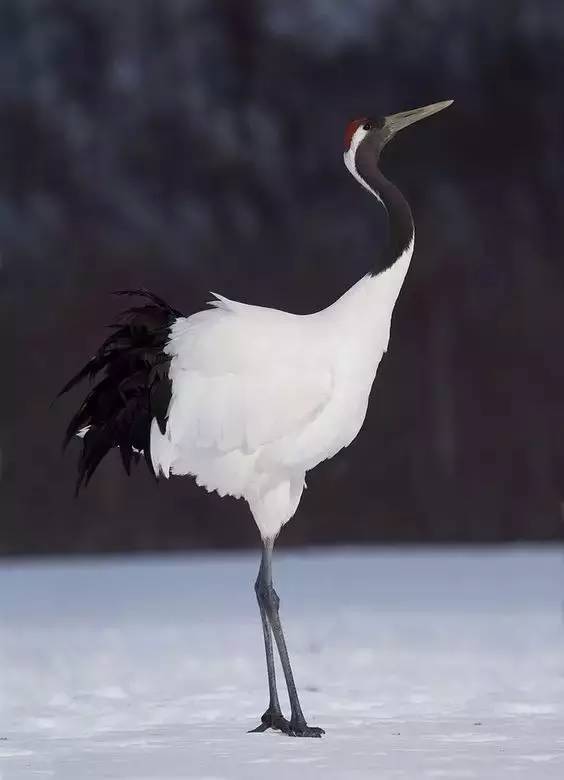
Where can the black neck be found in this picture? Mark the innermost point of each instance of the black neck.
(401, 228)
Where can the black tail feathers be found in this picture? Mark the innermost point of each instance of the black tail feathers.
(133, 387)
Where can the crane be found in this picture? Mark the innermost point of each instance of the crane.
(247, 399)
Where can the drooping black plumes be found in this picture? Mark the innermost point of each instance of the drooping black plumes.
(133, 387)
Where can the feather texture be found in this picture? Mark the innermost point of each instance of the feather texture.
(261, 396)
(133, 387)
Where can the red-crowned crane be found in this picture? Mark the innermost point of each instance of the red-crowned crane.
(247, 399)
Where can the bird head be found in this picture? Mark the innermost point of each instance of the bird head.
(376, 132)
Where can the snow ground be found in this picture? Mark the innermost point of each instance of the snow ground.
(434, 664)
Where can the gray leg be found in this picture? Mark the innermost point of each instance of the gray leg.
(269, 599)
(273, 717)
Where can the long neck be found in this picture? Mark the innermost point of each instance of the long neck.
(401, 227)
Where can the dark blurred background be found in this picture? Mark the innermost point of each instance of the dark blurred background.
(188, 146)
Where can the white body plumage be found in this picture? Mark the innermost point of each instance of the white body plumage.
(260, 396)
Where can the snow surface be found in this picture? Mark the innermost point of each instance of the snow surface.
(436, 664)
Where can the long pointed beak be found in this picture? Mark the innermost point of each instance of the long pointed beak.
(396, 122)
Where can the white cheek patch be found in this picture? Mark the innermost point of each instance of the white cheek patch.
(349, 158)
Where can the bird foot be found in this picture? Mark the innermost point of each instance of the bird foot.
(272, 719)
(275, 720)
(303, 730)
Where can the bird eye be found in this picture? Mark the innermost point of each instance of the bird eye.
(367, 126)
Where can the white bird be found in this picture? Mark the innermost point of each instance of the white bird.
(248, 399)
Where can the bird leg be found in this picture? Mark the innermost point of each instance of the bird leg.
(269, 601)
(273, 717)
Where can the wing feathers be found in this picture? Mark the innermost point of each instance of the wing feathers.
(244, 381)
(133, 387)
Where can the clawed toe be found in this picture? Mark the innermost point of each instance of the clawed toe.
(303, 730)
(272, 720)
